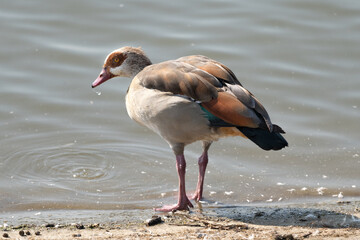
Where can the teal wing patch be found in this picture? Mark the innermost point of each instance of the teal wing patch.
(214, 121)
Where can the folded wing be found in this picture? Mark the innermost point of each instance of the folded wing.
(214, 85)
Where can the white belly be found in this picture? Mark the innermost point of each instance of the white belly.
(175, 118)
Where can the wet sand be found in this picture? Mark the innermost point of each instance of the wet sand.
(336, 220)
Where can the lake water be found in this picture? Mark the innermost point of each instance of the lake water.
(65, 146)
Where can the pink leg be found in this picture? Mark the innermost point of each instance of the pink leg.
(183, 201)
(203, 161)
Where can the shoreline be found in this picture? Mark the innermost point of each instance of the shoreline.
(314, 221)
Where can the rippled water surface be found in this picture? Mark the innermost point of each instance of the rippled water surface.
(66, 146)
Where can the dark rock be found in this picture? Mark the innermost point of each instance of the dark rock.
(284, 237)
(21, 233)
(50, 225)
(76, 235)
(153, 221)
(37, 233)
(79, 226)
(5, 235)
(28, 233)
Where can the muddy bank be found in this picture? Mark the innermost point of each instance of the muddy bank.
(316, 221)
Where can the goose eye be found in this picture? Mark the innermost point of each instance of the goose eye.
(116, 60)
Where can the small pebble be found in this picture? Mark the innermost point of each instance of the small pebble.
(77, 235)
(50, 225)
(153, 221)
(28, 233)
(201, 235)
(285, 237)
(37, 233)
(79, 226)
(5, 235)
(94, 225)
(21, 233)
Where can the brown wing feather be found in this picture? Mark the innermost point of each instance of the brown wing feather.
(250, 101)
(233, 85)
(231, 110)
(180, 78)
(211, 66)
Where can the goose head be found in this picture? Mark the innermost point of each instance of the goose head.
(122, 62)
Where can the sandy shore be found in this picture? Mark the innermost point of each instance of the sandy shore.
(339, 220)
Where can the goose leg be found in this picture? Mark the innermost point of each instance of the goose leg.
(183, 201)
(203, 161)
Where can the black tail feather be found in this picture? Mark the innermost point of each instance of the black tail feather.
(264, 138)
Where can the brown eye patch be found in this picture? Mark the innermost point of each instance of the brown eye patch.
(115, 60)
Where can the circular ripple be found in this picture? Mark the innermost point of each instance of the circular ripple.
(84, 165)
(85, 173)
(59, 165)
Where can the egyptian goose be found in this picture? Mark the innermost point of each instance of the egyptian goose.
(193, 98)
